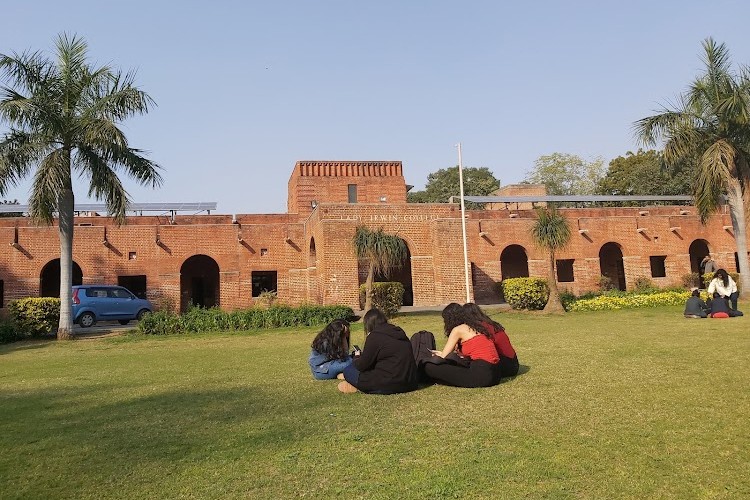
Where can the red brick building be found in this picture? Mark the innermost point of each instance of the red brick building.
(307, 257)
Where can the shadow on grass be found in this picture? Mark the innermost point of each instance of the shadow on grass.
(105, 430)
(25, 345)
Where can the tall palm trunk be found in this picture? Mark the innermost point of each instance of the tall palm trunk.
(368, 290)
(554, 304)
(739, 224)
(65, 226)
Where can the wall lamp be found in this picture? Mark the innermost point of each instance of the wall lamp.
(314, 204)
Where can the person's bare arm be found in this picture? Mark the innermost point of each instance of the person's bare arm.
(451, 343)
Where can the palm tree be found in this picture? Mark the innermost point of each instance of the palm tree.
(380, 251)
(551, 232)
(712, 123)
(64, 118)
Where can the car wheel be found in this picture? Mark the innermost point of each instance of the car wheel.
(124, 321)
(141, 314)
(87, 319)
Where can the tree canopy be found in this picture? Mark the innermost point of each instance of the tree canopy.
(646, 173)
(441, 185)
(566, 174)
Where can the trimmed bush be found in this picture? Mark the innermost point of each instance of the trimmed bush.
(211, 320)
(35, 316)
(525, 293)
(7, 331)
(387, 296)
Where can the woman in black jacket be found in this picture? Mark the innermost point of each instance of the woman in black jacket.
(386, 365)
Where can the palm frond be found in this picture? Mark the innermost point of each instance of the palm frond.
(716, 168)
(19, 150)
(52, 178)
(105, 184)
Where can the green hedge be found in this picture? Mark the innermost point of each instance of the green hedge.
(387, 296)
(525, 293)
(7, 331)
(629, 301)
(211, 320)
(35, 316)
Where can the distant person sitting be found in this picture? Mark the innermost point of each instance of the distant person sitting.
(720, 307)
(724, 285)
(695, 307)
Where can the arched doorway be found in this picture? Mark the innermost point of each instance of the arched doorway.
(49, 278)
(199, 282)
(514, 263)
(698, 250)
(611, 265)
(401, 273)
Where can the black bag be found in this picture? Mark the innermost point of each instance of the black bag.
(422, 344)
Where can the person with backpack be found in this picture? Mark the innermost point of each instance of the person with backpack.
(386, 364)
(469, 358)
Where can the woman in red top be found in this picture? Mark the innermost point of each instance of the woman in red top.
(477, 318)
(477, 358)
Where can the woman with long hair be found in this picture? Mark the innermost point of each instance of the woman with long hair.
(478, 319)
(471, 359)
(724, 285)
(330, 350)
(386, 364)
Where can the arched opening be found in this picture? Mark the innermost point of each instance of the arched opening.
(401, 273)
(313, 258)
(199, 282)
(611, 265)
(698, 249)
(49, 279)
(514, 263)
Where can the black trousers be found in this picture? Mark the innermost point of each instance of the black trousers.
(478, 374)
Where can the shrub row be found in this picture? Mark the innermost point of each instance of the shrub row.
(628, 301)
(30, 317)
(207, 320)
(387, 296)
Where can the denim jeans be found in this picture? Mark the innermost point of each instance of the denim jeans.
(334, 368)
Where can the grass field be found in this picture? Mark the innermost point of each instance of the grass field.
(624, 404)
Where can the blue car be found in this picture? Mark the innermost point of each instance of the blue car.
(92, 303)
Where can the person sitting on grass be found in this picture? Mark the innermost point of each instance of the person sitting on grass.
(695, 307)
(720, 307)
(476, 318)
(386, 364)
(475, 348)
(330, 350)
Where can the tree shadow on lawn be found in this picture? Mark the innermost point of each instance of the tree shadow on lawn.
(73, 427)
(24, 345)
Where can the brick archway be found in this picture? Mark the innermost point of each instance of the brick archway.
(49, 278)
(611, 264)
(698, 250)
(514, 263)
(402, 274)
(199, 282)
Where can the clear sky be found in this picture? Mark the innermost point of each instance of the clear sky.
(247, 88)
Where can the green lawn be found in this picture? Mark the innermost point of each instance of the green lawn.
(625, 404)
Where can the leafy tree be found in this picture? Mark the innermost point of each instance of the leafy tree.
(551, 232)
(646, 173)
(380, 251)
(444, 183)
(10, 214)
(563, 173)
(64, 118)
(711, 121)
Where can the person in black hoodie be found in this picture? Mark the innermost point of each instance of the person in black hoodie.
(386, 365)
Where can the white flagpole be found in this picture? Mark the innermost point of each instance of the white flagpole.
(463, 221)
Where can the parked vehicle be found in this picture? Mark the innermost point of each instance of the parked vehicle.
(92, 303)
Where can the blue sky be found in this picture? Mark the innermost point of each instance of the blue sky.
(246, 89)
